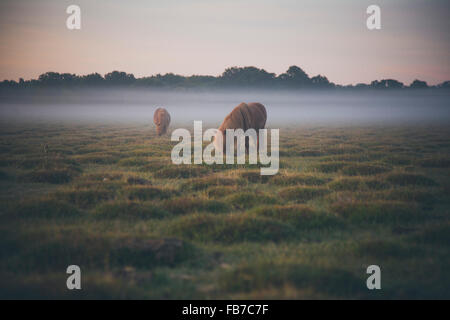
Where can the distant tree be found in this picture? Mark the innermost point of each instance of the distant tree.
(200, 81)
(92, 79)
(58, 79)
(295, 76)
(119, 78)
(321, 82)
(418, 84)
(50, 78)
(444, 85)
(361, 86)
(152, 81)
(386, 84)
(171, 79)
(247, 76)
(8, 84)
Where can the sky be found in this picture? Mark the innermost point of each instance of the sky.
(146, 37)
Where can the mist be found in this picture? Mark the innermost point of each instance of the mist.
(283, 107)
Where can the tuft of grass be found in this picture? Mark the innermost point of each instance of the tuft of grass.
(375, 184)
(148, 193)
(378, 212)
(144, 253)
(346, 184)
(435, 235)
(426, 198)
(153, 165)
(97, 158)
(405, 179)
(186, 205)
(382, 249)
(138, 181)
(132, 162)
(343, 149)
(43, 209)
(254, 176)
(364, 170)
(54, 176)
(55, 252)
(102, 176)
(220, 192)
(231, 229)
(208, 182)
(309, 153)
(302, 194)
(436, 162)
(398, 160)
(331, 281)
(85, 198)
(4, 176)
(129, 210)
(174, 172)
(330, 167)
(300, 216)
(298, 179)
(246, 200)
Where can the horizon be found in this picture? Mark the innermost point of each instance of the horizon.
(203, 38)
(220, 75)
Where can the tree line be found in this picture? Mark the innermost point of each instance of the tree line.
(234, 77)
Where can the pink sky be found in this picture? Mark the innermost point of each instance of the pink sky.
(325, 37)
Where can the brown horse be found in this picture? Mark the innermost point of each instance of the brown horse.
(161, 118)
(245, 116)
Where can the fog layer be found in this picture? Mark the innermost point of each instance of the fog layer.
(283, 108)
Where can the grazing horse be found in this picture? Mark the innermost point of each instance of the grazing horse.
(245, 116)
(161, 118)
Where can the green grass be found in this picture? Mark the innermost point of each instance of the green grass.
(110, 200)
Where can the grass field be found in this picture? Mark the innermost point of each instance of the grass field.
(107, 198)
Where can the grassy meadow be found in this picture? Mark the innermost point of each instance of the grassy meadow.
(107, 198)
